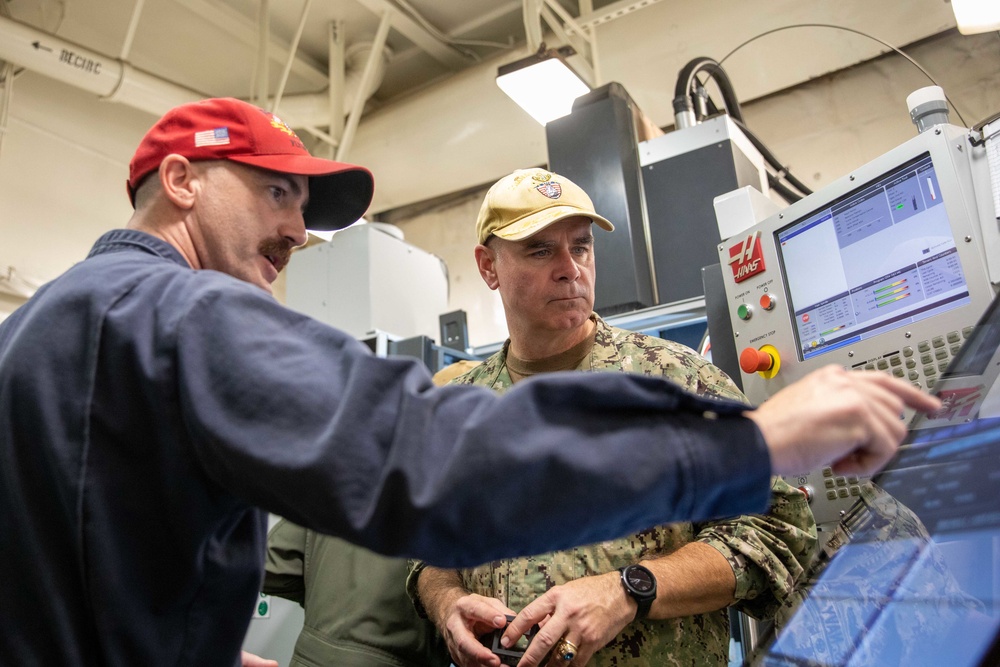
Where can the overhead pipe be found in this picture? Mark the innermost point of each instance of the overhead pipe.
(117, 81)
(259, 87)
(315, 109)
(133, 24)
(88, 70)
(367, 80)
(303, 15)
(337, 68)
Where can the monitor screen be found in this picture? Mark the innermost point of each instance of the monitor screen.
(877, 258)
(911, 575)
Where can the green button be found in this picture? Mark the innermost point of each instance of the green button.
(744, 312)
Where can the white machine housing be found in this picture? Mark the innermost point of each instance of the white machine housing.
(367, 279)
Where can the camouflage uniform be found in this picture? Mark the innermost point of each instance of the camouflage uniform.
(767, 553)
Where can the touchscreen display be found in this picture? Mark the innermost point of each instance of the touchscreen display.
(911, 575)
(878, 258)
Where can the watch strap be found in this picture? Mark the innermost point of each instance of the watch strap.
(643, 600)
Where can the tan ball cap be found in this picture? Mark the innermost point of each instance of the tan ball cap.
(528, 201)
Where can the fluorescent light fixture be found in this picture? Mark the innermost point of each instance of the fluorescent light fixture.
(975, 16)
(543, 84)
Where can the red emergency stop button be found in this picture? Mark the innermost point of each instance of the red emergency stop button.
(753, 360)
(767, 302)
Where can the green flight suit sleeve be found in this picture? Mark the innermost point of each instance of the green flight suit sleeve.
(285, 567)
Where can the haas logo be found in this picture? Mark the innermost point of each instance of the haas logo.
(747, 257)
(958, 403)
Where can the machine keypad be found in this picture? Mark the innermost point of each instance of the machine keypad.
(935, 356)
(840, 486)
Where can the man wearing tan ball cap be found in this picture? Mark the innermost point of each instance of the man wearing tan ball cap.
(536, 248)
(529, 200)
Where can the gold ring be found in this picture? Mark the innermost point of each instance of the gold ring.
(566, 650)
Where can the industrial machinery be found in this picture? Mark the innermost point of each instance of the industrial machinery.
(368, 279)
(657, 189)
(885, 269)
(911, 574)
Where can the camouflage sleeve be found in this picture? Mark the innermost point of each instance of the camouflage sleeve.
(768, 553)
(713, 381)
(638, 353)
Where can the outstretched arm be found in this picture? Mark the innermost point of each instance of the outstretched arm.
(851, 420)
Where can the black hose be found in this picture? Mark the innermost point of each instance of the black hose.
(772, 159)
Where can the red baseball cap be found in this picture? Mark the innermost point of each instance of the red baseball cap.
(230, 129)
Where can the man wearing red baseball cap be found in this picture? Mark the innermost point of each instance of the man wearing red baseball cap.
(155, 401)
(226, 139)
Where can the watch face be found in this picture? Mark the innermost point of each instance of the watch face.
(639, 579)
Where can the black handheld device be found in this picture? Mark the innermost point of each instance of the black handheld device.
(508, 656)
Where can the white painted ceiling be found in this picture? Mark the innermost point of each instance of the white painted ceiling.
(211, 46)
(438, 103)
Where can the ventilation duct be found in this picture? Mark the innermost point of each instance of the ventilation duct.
(117, 81)
(314, 109)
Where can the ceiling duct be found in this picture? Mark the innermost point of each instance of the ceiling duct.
(314, 108)
(94, 72)
(117, 81)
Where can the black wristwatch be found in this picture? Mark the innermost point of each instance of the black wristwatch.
(640, 583)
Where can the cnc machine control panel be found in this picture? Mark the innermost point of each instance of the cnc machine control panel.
(883, 270)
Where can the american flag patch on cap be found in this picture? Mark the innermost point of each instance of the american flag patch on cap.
(217, 137)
